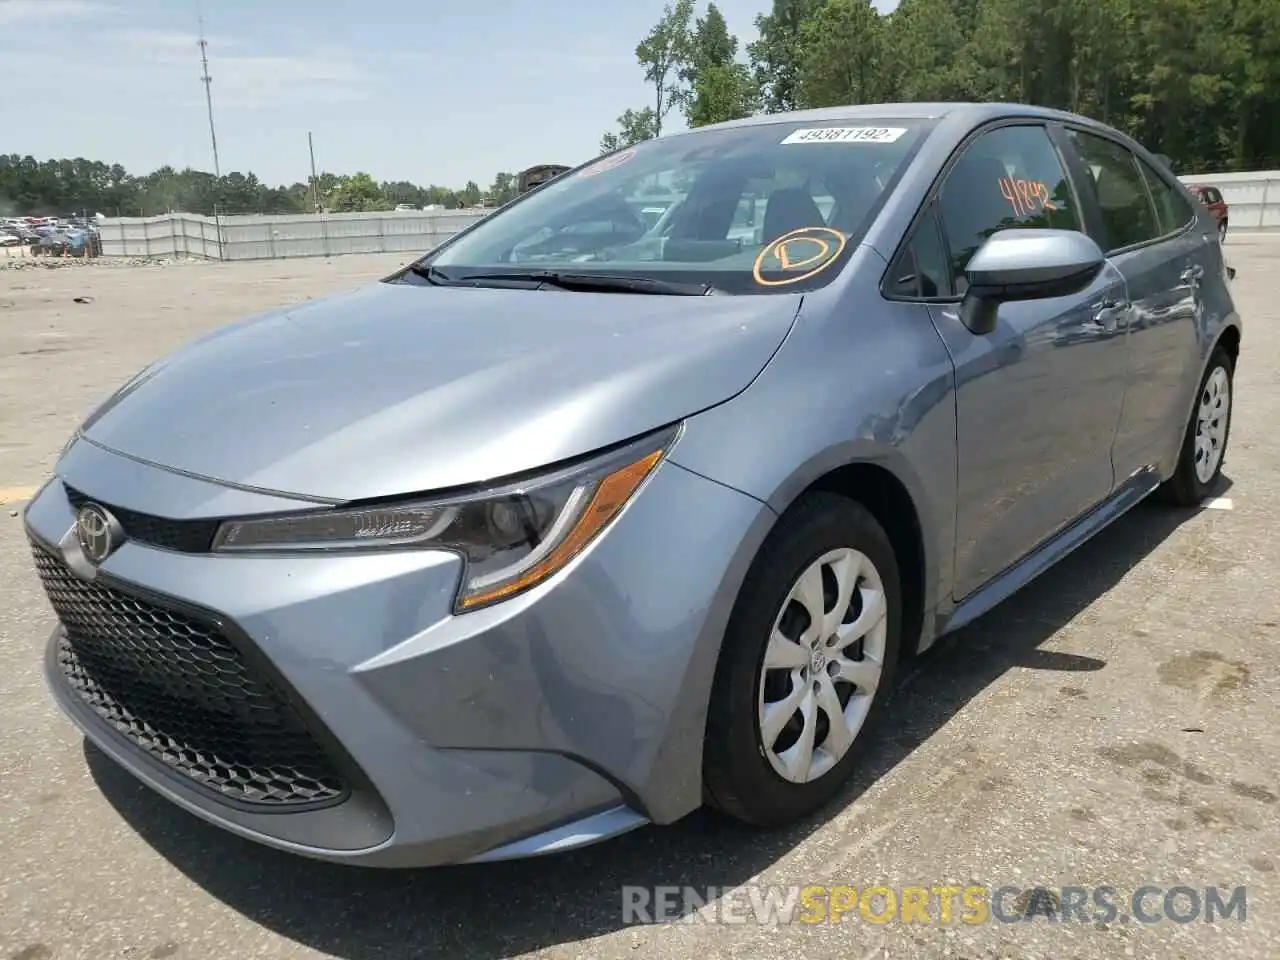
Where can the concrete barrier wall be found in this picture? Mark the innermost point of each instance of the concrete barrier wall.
(270, 237)
(1253, 200)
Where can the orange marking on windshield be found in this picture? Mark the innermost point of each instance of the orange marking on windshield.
(783, 253)
(830, 244)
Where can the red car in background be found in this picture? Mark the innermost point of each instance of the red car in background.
(1211, 197)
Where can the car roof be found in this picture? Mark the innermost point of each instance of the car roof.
(975, 113)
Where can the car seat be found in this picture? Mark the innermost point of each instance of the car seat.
(789, 209)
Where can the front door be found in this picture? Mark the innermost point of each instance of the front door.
(1037, 399)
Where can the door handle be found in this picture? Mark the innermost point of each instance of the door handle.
(1192, 274)
(1106, 313)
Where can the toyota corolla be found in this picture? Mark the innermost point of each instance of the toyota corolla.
(588, 518)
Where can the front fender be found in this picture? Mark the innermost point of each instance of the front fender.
(852, 384)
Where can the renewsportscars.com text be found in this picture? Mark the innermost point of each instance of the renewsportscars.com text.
(943, 904)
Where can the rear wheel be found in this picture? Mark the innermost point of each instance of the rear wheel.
(1204, 446)
(807, 663)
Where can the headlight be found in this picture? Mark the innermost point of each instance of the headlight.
(512, 537)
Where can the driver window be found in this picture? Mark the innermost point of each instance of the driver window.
(1009, 178)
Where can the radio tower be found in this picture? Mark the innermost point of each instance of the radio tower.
(208, 93)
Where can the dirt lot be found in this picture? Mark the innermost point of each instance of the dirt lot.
(1116, 724)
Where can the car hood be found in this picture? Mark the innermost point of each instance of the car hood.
(397, 388)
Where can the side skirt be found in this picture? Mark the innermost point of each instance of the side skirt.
(1132, 492)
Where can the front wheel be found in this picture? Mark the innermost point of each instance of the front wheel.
(1222, 232)
(807, 663)
(1204, 445)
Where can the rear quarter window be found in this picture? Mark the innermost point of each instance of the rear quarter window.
(1172, 208)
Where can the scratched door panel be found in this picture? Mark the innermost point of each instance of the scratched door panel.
(1147, 237)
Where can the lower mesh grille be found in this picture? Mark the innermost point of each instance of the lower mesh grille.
(178, 690)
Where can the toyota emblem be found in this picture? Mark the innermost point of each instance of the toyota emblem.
(98, 531)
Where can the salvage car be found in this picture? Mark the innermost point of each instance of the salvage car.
(581, 521)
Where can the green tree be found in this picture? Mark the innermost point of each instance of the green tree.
(505, 187)
(841, 62)
(402, 191)
(719, 88)
(30, 187)
(1253, 71)
(778, 53)
(440, 197)
(920, 48)
(357, 193)
(634, 126)
(664, 55)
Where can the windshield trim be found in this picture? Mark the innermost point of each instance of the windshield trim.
(925, 126)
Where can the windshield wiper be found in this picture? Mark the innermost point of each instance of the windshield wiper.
(433, 276)
(586, 282)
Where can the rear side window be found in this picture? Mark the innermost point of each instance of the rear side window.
(1008, 178)
(1127, 214)
(1173, 209)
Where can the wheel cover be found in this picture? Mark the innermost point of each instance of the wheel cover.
(822, 665)
(1212, 418)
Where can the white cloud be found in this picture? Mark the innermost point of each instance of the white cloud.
(164, 65)
(250, 81)
(48, 11)
(162, 42)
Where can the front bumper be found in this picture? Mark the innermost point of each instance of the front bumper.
(560, 717)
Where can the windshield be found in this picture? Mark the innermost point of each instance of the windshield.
(769, 208)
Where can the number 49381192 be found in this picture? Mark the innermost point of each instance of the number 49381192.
(1027, 197)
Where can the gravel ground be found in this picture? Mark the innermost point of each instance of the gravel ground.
(1115, 724)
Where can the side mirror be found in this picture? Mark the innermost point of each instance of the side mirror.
(1026, 265)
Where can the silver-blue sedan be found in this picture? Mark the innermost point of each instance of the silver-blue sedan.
(589, 517)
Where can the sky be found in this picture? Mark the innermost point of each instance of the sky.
(446, 96)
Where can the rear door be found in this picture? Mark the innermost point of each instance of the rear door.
(1164, 250)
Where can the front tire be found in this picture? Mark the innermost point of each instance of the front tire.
(807, 663)
(1222, 232)
(1204, 445)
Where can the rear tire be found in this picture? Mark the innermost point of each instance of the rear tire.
(1204, 445)
(796, 695)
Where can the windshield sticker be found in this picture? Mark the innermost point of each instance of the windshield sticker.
(809, 250)
(611, 162)
(1026, 196)
(845, 135)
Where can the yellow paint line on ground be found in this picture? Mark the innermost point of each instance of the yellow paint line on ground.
(17, 494)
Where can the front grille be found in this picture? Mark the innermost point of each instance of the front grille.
(184, 536)
(178, 690)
